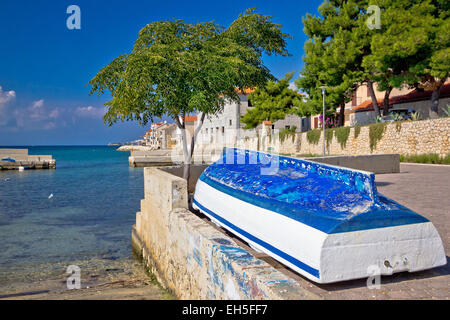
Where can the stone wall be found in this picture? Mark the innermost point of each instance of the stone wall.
(193, 259)
(405, 137)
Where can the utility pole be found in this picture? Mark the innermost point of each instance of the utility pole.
(323, 118)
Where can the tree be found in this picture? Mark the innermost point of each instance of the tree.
(403, 50)
(271, 102)
(435, 68)
(177, 68)
(411, 48)
(333, 53)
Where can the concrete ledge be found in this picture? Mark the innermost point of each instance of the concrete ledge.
(191, 258)
(376, 163)
(23, 160)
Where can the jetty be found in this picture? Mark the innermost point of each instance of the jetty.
(19, 159)
(169, 157)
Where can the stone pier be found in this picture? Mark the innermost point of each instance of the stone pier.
(19, 159)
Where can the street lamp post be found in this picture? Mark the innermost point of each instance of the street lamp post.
(323, 117)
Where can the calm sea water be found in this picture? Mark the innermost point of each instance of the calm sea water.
(89, 218)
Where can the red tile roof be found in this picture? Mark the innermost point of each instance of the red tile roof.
(367, 105)
(190, 119)
(245, 91)
(267, 123)
(412, 96)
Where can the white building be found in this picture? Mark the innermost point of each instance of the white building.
(226, 127)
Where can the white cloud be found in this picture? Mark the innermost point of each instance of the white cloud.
(5, 98)
(37, 116)
(90, 112)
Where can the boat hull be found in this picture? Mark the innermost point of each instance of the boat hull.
(382, 240)
(319, 256)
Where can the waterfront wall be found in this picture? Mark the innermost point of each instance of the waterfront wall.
(193, 259)
(23, 159)
(405, 137)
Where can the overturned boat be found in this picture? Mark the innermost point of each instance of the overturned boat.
(327, 223)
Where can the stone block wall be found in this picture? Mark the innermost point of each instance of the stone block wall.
(405, 137)
(193, 259)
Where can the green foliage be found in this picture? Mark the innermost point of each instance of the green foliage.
(177, 68)
(313, 136)
(287, 132)
(412, 46)
(378, 119)
(308, 155)
(342, 134)
(357, 131)
(271, 102)
(338, 39)
(426, 158)
(376, 131)
(329, 136)
(397, 117)
(447, 111)
(398, 126)
(415, 116)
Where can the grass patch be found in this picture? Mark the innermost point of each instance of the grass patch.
(432, 158)
(329, 136)
(357, 131)
(376, 131)
(313, 136)
(307, 155)
(342, 134)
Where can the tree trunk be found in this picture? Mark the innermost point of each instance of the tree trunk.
(373, 97)
(434, 108)
(342, 115)
(188, 154)
(387, 93)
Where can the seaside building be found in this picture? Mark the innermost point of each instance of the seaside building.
(190, 122)
(226, 127)
(168, 136)
(153, 137)
(360, 110)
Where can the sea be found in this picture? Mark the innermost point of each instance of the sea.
(79, 214)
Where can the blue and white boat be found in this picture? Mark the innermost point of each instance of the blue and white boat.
(327, 223)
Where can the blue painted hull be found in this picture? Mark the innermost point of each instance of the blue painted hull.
(297, 210)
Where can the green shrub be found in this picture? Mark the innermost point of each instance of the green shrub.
(313, 136)
(447, 111)
(357, 131)
(432, 158)
(287, 132)
(376, 131)
(342, 134)
(329, 136)
(415, 116)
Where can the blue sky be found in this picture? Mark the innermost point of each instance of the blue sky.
(44, 66)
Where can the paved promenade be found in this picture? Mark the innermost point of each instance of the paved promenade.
(426, 190)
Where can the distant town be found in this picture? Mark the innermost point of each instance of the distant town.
(403, 104)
